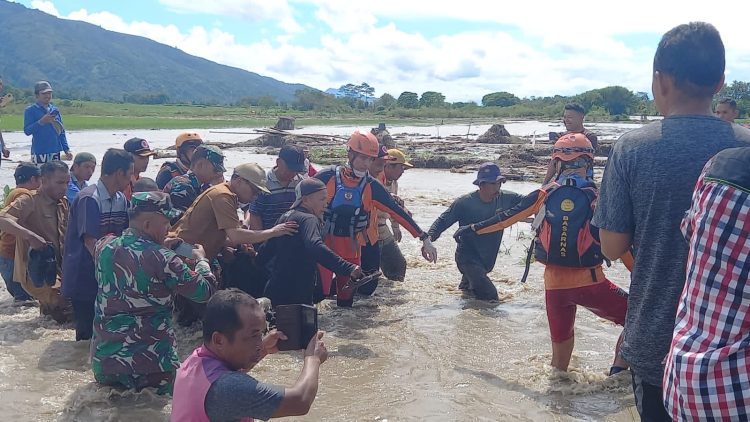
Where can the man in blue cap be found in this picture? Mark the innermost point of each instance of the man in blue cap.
(475, 256)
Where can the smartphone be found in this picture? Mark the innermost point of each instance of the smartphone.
(184, 249)
(553, 136)
(298, 322)
(55, 112)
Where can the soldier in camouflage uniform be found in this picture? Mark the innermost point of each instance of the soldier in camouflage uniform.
(134, 344)
(206, 169)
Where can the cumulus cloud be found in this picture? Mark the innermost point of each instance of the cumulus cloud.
(552, 49)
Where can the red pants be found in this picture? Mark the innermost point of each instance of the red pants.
(344, 248)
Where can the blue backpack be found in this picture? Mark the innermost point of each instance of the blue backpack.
(344, 215)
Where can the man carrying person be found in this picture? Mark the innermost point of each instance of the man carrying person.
(134, 345)
(213, 222)
(392, 261)
(282, 179)
(28, 179)
(4, 150)
(186, 143)
(294, 259)
(567, 246)
(212, 383)
(38, 220)
(352, 195)
(573, 115)
(707, 367)
(98, 210)
(648, 185)
(142, 154)
(84, 165)
(206, 170)
(43, 123)
(726, 110)
(476, 256)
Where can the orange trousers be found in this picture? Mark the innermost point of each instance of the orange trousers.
(345, 248)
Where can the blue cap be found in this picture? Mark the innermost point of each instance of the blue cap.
(489, 173)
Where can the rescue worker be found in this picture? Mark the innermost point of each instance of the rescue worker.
(392, 261)
(39, 220)
(294, 259)
(475, 258)
(133, 345)
(567, 245)
(186, 143)
(352, 195)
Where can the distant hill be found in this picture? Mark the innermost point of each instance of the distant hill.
(81, 59)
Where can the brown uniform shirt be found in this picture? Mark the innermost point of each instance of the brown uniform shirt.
(206, 222)
(7, 240)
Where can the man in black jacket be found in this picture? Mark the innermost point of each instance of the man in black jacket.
(294, 267)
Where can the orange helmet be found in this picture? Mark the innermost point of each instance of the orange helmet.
(364, 143)
(188, 137)
(571, 146)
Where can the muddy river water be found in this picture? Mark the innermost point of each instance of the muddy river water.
(416, 350)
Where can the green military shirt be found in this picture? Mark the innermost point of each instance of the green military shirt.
(137, 280)
(183, 190)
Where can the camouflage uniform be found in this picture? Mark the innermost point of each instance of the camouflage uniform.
(182, 191)
(134, 344)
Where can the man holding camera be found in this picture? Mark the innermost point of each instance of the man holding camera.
(42, 121)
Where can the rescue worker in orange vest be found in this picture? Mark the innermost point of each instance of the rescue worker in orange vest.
(353, 194)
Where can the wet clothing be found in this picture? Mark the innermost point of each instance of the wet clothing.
(7, 240)
(8, 253)
(206, 389)
(649, 400)
(161, 381)
(138, 279)
(48, 218)
(374, 197)
(647, 186)
(476, 255)
(74, 186)
(206, 222)
(44, 138)
(270, 206)
(294, 261)
(604, 299)
(708, 365)
(169, 170)
(83, 318)
(392, 261)
(183, 191)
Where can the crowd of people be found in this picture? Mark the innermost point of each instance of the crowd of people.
(125, 256)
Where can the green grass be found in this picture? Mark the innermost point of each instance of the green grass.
(79, 115)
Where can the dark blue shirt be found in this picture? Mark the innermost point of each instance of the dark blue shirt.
(95, 213)
(44, 138)
(270, 206)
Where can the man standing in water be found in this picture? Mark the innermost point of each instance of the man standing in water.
(186, 143)
(648, 185)
(43, 123)
(142, 154)
(392, 261)
(573, 115)
(84, 165)
(726, 110)
(475, 257)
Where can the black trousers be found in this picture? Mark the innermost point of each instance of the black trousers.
(83, 311)
(370, 264)
(649, 400)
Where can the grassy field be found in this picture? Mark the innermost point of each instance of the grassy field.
(79, 115)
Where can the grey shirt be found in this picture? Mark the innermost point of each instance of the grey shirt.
(647, 187)
(236, 395)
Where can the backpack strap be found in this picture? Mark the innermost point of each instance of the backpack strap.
(528, 259)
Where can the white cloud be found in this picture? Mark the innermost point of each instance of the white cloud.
(556, 49)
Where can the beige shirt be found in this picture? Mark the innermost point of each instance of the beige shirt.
(206, 221)
(384, 233)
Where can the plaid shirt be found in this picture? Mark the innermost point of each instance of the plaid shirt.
(707, 373)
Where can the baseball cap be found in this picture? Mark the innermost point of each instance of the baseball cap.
(25, 171)
(42, 87)
(294, 157)
(187, 137)
(211, 153)
(84, 157)
(254, 174)
(307, 187)
(157, 202)
(489, 173)
(398, 157)
(138, 147)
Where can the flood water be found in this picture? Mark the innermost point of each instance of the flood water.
(416, 350)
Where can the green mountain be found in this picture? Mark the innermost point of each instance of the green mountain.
(84, 60)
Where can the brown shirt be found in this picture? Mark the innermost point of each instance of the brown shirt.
(7, 240)
(206, 222)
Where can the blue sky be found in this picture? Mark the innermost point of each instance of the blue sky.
(464, 49)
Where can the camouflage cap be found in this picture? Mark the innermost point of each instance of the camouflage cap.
(158, 202)
(211, 153)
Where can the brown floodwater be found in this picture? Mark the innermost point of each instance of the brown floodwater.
(416, 350)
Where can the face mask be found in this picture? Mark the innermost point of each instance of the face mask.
(359, 173)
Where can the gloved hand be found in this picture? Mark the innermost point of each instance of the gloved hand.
(429, 252)
(462, 232)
